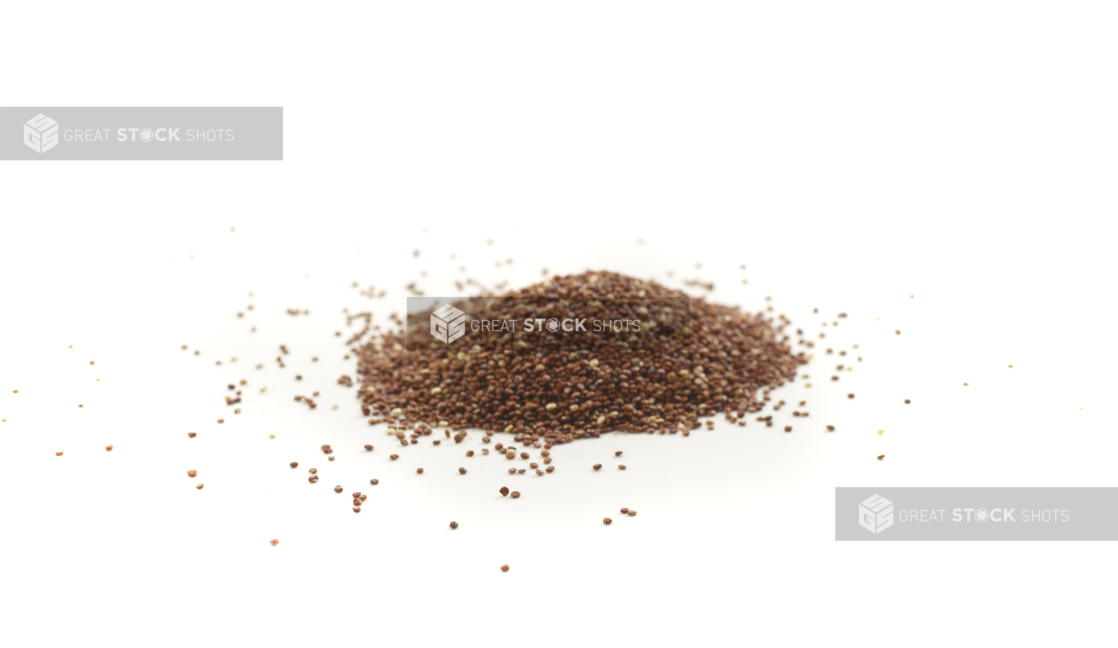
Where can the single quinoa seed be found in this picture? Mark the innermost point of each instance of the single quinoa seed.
(515, 494)
(108, 448)
(338, 489)
(191, 435)
(374, 482)
(454, 525)
(504, 491)
(597, 466)
(621, 467)
(200, 486)
(192, 473)
(294, 464)
(504, 568)
(461, 471)
(607, 521)
(273, 542)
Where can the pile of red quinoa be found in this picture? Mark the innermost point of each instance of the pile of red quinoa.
(690, 359)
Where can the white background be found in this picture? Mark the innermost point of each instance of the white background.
(850, 154)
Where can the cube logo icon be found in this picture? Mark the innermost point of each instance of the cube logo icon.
(876, 514)
(448, 324)
(40, 133)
